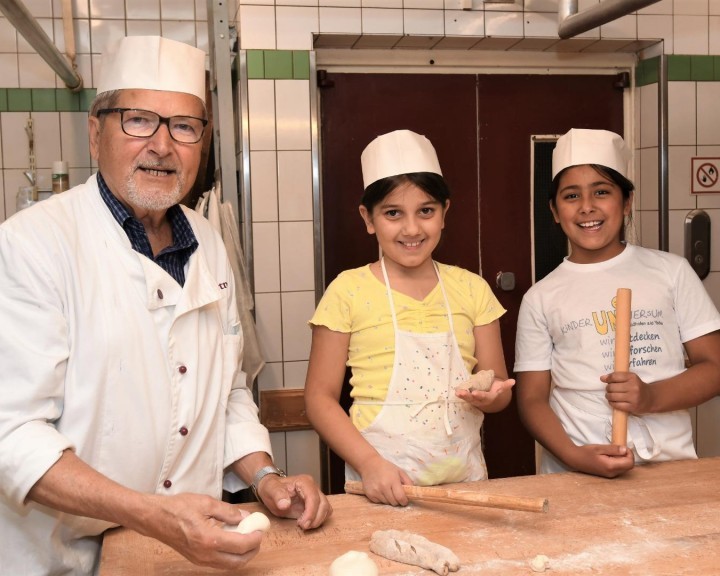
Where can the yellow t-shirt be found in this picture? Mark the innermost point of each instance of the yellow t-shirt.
(356, 302)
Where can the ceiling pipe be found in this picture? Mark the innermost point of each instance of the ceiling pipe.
(19, 16)
(571, 22)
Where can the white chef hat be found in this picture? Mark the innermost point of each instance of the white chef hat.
(398, 152)
(581, 146)
(153, 63)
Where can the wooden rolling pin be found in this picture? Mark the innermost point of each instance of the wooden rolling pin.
(467, 497)
(623, 300)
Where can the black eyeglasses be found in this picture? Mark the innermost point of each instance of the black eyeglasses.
(143, 124)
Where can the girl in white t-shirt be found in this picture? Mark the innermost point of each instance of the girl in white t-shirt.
(412, 331)
(567, 386)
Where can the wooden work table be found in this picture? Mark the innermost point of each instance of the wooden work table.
(659, 519)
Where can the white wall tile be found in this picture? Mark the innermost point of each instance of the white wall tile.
(2, 198)
(381, 4)
(81, 31)
(303, 453)
(423, 4)
(464, 23)
(266, 257)
(541, 25)
(142, 9)
(714, 7)
(516, 6)
(180, 30)
(708, 113)
(681, 113)
(143, 27)
(201, 10)
(296, 257)
(103, 33)
(46, 126)
(8, 36)
(690, 35)
(382, 21)
(657, 26)
(294, 373)
(257, 27)
(676, 232)
(279, 450)
(293, 114)
(271, 377)
(268, 320)
(35, 72)
(295, 185)
(296, 26)
(649, 119)
(649, 178)
(679, 177)
(9, 71)
(107, 9)
(649, 226)
(542, 6)
(14, 139)
(297, 309)
(341, 3)
(177, 9)
(39, 8)
(625, 27)
(695, 7)
(261, 105)
(424, 22)
(340, 20)
(504, 24)
(264, 186)
(80, 8)
(714, 35)
(74, 139)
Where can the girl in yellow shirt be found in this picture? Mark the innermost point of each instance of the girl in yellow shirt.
(412, 330)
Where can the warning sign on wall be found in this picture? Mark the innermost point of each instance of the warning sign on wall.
(705, 172)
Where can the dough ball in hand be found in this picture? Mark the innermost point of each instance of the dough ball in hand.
(256, 521)
(353, 563)
(482, 380)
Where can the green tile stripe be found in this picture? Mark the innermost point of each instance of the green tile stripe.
(278, 64)
(681, 68)
(45, 100)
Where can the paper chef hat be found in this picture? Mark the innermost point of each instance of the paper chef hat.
(153, 63)
(399, 152)
(580, 146)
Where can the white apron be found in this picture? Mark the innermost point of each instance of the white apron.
(423, 427)
(587, 419)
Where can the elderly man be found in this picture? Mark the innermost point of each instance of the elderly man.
(122, 398)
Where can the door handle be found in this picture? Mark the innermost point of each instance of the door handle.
(505, 281)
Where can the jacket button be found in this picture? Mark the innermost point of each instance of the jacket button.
(183, 431)
(182, 369)
(160, 294)
(167, 483)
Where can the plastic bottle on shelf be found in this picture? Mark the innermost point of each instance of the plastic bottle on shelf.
(60, 178)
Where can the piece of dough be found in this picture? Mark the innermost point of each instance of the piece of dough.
(481, 380)
(256, 521)
(353, 563)
(414, 549)
(540, 563)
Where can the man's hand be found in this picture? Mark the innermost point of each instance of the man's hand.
(295, 497)
(193, 524)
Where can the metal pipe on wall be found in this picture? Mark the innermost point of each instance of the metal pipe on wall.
(24, 22)
(571, 22)
(663, 164)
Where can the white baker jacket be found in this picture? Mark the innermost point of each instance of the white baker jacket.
(105, 353)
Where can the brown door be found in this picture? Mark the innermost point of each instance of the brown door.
(481, 127)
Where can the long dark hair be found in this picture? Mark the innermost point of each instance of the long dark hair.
(429, 182)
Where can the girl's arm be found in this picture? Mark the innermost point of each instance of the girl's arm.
(533, 395)
(489, 354)
(699, 383)
(326, 373)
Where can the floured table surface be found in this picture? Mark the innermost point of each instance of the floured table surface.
(659, 519)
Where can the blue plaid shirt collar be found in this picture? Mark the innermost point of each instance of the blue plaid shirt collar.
(173, 258)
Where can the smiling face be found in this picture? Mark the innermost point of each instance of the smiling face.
(148, 175)
(408, 224)
(591, 210)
